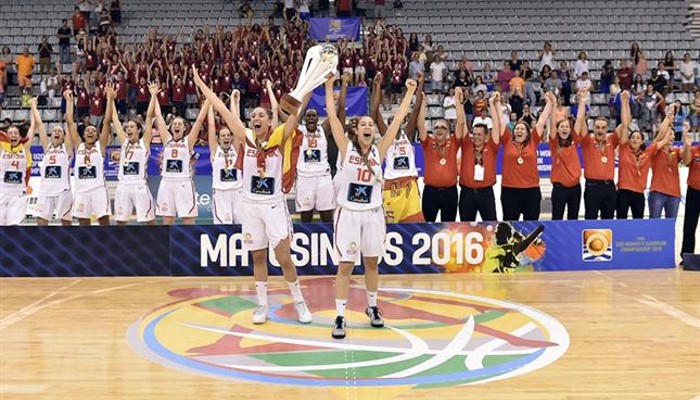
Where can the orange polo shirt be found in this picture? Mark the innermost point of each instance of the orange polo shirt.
(25, 64)
(694, 173)
(525, 175)
(593, 153)
(488, 161)
(566, 166)
(436, 174)
(664, 166)
(633, 173)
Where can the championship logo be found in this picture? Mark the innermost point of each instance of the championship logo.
(431, 339)
(597, 245)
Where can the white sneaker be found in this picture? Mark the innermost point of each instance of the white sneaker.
(303, 312)
(260, 314)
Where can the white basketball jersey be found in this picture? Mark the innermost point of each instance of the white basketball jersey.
(13, 167)
(176, 160)
(55, 170)
(133, 163)
(262, 186)
(225, 176)
(89, 168)
(313, 158)
(360, 181)
(400, 159)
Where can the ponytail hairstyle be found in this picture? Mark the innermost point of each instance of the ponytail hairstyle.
(565, 142)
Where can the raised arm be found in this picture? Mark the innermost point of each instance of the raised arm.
(293, 120)
(197, 126)
(413, 116)
(496, 131)
(27, 142)
(376, 102)
(460, 126)
(337, 128)
(70, 121)
(544, 115)
(106, 134)
(274, 105)
(687, 142)
(36, 118)
(496, 116)
(395, 127)
(211, 132)
(153, 88)
(420, 125)
(233, 122)
(160, 121)
(118, 128)
(626, 116)
(665, 125)
(581, 127)
(341, 101)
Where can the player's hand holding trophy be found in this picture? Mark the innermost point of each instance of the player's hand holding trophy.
(320, 61)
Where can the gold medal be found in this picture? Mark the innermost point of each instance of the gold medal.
(604, 159)
(443, 161)
(520, 161)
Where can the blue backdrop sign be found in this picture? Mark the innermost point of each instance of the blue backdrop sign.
(491, 247)
(332, 29)
(355, 101)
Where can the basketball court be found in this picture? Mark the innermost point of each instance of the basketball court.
(613, 334)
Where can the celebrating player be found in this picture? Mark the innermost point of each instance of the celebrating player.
(359, 220)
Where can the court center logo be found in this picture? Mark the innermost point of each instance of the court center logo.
(431, 339)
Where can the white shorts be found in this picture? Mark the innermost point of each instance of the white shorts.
(315, 192)
(129, 196)
(226, 206)
(347, 70)
(94, 201)
(176, 198)
(62, 203)
(358, 232)
(360, 70)
(13, 207)
(265, 224)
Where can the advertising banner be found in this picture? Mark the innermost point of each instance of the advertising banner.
(355, 101)
(332, 29)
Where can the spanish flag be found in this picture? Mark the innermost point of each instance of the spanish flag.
(289, 149)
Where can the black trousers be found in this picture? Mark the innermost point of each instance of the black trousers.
(440, 200)
(521, 201)
(627, 199)
(600, 197)
(472, 201)
(566, 197)
(690, 222)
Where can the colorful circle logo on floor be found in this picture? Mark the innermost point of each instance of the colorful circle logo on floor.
(431, 338)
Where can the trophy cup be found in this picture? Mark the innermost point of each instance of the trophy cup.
(319, 62)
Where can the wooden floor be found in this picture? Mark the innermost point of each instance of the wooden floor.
(633, 335)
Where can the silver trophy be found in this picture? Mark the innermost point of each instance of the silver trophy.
(320, 61)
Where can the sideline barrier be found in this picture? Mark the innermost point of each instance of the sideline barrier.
(210, 250)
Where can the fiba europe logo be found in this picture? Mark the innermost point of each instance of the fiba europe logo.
(431, 339)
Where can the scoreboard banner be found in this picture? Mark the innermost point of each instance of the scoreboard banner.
(211, 250)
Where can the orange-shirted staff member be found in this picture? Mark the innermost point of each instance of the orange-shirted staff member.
(566, 166)
(25, 67)
(520, 192)
(440, 154)
(665, 190)
(634, 165)
(598, 150)
(478, 170)
(691, 158)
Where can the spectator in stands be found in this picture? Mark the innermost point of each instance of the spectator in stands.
(658, 80)
(585, 83)
(687, 71)
(554, 84)
(97, 107)
(530, 78)
(514, 62)
(448, 104)
(438, 72)
(641, 66)
(516, 102)
(520, 191)
(50, 85)
(517, 82)
(665, 190)
(105, 21)
(427, 48)
(606, 77)
(546, 56)
(3, 82)
(634, 51)
(504, 76)
(649, 103)
(440, 153)
(565, 74)
(45, 49)
(116, 12)
(478, 172)
(25, 67)
(582, 65)
(638, 87)
(64, 34)
(79, 21)
(670, 68)
(615, 90)
(626, 74)
(415, 66)
(691, 158)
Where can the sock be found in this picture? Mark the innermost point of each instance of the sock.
(340, 307)
(372, 298)
(296, 291)
(261, 290)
